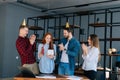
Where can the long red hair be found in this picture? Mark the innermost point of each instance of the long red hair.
(51, 42)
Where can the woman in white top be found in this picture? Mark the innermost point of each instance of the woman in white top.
(46, 54)
(90, 56)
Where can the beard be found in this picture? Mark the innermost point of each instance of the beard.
(66, 36)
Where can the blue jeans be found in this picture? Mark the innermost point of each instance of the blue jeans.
(64, 69)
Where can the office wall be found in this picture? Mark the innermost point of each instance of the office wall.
(11, 17)
(100, 32)
(2, 30)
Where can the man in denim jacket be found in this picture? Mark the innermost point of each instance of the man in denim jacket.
(68, 49)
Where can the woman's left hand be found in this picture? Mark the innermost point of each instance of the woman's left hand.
(85, 50)
(50, 56)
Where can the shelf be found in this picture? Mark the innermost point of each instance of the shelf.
(62, 27)
(101, 69)
(111, 39)
(80, 70)
(35, 28)
(57, 27)
(40, 40)
(74, 26)
(99, 25)
(118, 73)
(112, 54)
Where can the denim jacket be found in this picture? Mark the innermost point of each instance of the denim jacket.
(72, 51)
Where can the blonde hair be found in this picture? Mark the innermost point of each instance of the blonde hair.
(95, 41)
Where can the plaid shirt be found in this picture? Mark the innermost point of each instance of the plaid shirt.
(25, 50)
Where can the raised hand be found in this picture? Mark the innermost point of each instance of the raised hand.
(61, 47)
(50, 56)
(84, 48)
(32, 39)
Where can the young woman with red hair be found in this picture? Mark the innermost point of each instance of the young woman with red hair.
(46, 54)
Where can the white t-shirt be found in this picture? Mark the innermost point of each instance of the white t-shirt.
(91, 59)
(64, 57)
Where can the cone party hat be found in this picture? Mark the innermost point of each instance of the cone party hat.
(24, 23)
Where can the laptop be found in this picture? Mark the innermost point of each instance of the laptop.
(26, 72)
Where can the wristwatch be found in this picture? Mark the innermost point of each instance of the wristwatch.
(65, 49)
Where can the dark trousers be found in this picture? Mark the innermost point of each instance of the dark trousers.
(91, 74)
(118, 64)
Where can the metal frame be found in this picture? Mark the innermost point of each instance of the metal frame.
(89, 13)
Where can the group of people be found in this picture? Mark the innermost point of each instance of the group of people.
(64, 53)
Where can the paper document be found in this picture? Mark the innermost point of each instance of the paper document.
(50, 52)
(46, 76)
(74, 78)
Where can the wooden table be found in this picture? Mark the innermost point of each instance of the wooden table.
(58, 77)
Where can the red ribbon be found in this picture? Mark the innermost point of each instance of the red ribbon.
(42, 50)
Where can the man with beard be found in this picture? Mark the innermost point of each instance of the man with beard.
(68, 49)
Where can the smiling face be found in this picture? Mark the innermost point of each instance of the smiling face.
(24, 31)
(65, 33)
(90, 41)
(48, 39)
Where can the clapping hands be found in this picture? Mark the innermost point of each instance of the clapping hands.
(32, 39)
(50, 56)
(84, 48)
(61, 47)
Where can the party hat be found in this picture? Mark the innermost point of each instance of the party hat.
(24, 23)
(67, 24)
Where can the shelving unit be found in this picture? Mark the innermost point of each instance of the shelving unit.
(35, 28)
(98, 25)
(106, 24)
(56, 27)
(60, 26)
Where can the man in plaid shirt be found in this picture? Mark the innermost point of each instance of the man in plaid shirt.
(26, 47)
